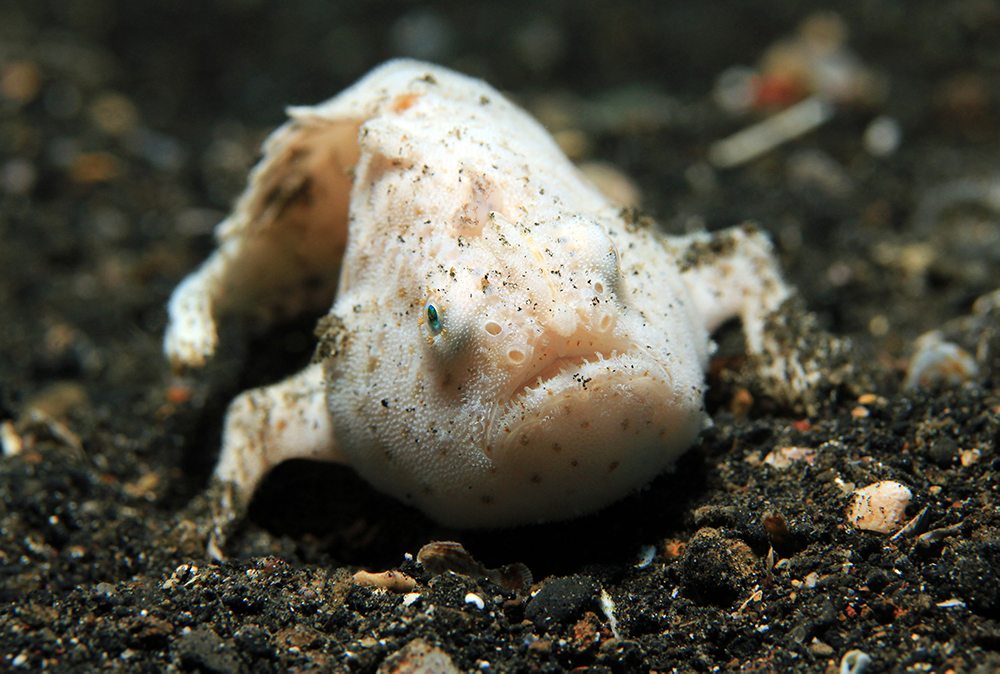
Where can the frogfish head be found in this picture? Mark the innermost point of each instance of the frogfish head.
(507, 376)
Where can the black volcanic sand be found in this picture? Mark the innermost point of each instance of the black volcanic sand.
(126, 129)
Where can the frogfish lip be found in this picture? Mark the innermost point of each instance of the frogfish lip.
(585, 430)
(571, 389)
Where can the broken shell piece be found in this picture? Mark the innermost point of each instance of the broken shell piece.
(938, 362)
(394, 581)
(475, 600)
(10, 442)
(444, 556)
(645, 557)
(855, 662)
(783, 457)
(915, 526)
(879, 507)
(970, 457)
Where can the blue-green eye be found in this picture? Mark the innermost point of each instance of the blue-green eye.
(433, 319)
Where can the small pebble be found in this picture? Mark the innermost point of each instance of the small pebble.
(879, 507)
(883, 136)
(943, 451)
(114, 114)
(204, 650)
(418, 656)
(821, 649)
(20, 81)
(95, 167)
(717, 568)
(559, 600)
(475, 600)
(10, 442)
(741, 402)
(18, 176)
(879, 326)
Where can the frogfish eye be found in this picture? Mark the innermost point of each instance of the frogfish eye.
(433, 319)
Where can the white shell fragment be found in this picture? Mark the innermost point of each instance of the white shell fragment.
(506, 344)
(937, 361)
(645, 557)
(879, 507)
(855, 662)
(768, 134)
(607, 605)
(783, 457)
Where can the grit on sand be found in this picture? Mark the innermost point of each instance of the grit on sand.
(125, 133)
